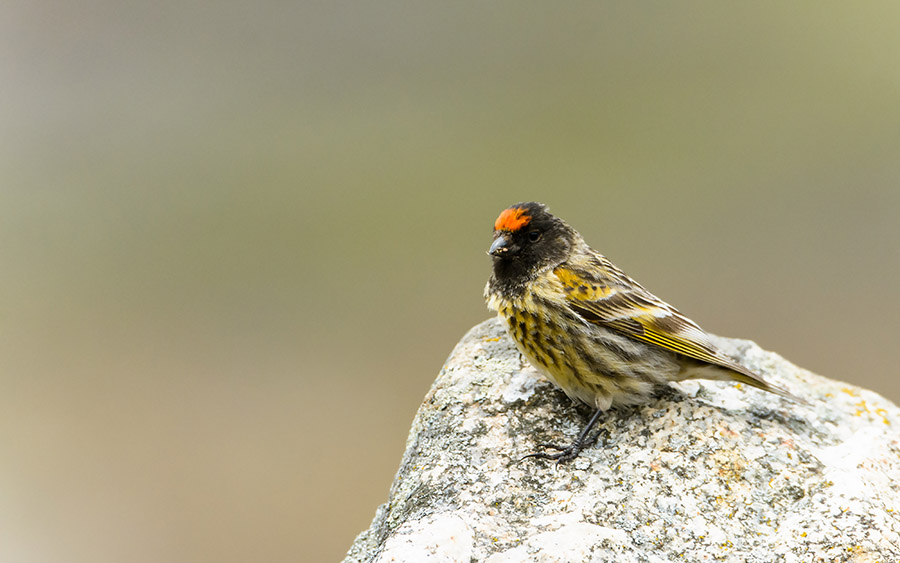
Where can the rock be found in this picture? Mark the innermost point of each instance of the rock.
(707, 471)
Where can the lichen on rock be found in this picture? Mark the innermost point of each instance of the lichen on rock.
(707, 471)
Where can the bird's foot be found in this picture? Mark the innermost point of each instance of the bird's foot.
(564, 454)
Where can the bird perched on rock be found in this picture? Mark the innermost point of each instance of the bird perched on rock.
(592, 330)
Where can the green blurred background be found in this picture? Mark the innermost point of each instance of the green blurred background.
(239, 239)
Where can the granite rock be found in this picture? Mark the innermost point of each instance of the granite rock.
(706, 471)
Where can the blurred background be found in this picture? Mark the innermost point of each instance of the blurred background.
(238, 240)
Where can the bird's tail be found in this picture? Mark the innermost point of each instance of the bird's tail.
(742, 375)
(758, 382)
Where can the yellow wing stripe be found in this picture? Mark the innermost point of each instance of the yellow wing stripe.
(680, 346)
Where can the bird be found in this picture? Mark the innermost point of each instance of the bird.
(593, 331)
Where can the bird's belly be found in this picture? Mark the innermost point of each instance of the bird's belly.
(584, 371)
(564, 377)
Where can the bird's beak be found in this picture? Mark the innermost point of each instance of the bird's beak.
(499, 246)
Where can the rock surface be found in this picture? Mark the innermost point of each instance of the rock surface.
(707, 471)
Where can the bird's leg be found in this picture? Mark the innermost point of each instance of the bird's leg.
(570, 452)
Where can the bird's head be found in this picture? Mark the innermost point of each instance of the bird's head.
(529, 240)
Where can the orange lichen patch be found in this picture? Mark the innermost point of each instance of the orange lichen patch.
(862, 408)
(512, 219)
(728, 433)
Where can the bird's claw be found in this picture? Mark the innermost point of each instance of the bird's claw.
(564, 454)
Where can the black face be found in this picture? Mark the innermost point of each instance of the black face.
(527, 241)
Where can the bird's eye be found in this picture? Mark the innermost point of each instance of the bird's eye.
(534, 236)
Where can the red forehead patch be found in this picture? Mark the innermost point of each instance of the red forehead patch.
(512, 219)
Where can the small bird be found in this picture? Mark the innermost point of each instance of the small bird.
(592, 330)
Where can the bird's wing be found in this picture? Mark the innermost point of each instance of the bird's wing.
(602, 294)
(606, 296)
